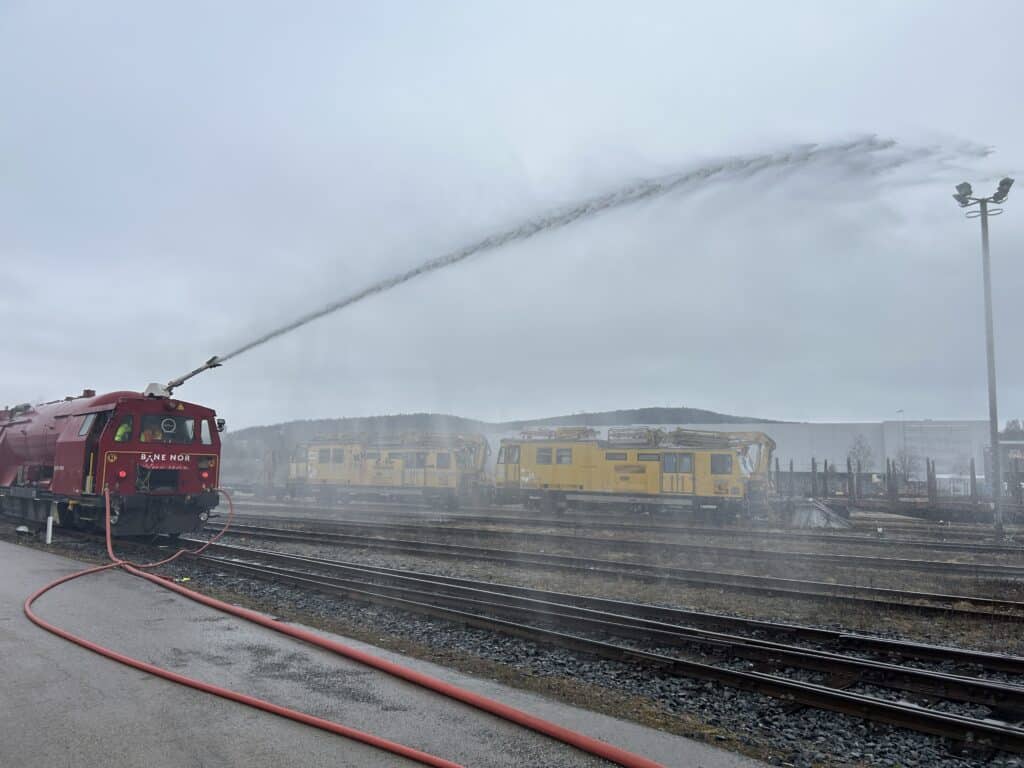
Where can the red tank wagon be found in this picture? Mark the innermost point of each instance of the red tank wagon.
(158, 456)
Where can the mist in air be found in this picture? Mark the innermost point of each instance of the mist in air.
(857, 159)
(769, 236)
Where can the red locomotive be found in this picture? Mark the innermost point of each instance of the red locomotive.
(158, 456)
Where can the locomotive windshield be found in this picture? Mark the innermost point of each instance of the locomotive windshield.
(158, 428)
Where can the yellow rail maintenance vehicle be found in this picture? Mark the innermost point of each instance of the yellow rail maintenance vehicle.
(443, 469)
(705, 474)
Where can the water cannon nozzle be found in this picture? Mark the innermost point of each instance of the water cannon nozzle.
(213, 362)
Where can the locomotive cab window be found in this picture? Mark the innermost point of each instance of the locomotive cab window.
(324, 456)
(648, 457)
(508, 454)
(86, 424)
(338, 455)
(205, 432)
(123, 433)
(543, 455)
(563, 456)
(157, 428)
(444, 461)
(615, 456)
(721, 464)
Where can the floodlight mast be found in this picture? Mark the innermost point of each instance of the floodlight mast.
(965, 198)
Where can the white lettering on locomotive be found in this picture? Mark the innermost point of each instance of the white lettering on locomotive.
(179, 458)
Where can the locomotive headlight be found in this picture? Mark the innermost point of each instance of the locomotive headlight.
(205, 475)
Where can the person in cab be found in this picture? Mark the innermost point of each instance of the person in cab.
(151, 431)
(124, 430)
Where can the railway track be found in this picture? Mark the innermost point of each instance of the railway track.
(671, 549)
(868, 538)
(922, 602)
(650, 636)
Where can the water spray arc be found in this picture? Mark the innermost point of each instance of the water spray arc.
(869, 155)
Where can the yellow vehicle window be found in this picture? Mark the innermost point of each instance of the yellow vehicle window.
(543, 455)
(721, 464)
(563, 456)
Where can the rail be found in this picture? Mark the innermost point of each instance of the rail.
(923, 602)
(546, 617)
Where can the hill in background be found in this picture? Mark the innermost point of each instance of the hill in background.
(251, 453)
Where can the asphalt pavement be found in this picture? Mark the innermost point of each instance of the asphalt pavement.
(61, 705)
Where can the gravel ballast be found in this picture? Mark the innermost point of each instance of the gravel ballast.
(746, 722)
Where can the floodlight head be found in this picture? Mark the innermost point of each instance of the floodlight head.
(1003, 191)
(963, 194)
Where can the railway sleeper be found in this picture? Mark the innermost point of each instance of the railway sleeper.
(956, 727)
(773, 657)
(861, 595)
(885, 649)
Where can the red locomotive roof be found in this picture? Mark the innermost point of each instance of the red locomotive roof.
(110, 398)
(75, 405)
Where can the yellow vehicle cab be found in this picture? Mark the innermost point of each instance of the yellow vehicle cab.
(640, 468)
(441, 468)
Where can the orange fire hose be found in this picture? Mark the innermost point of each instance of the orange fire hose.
(566, 735)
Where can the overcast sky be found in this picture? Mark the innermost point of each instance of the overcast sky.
(178, 178)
